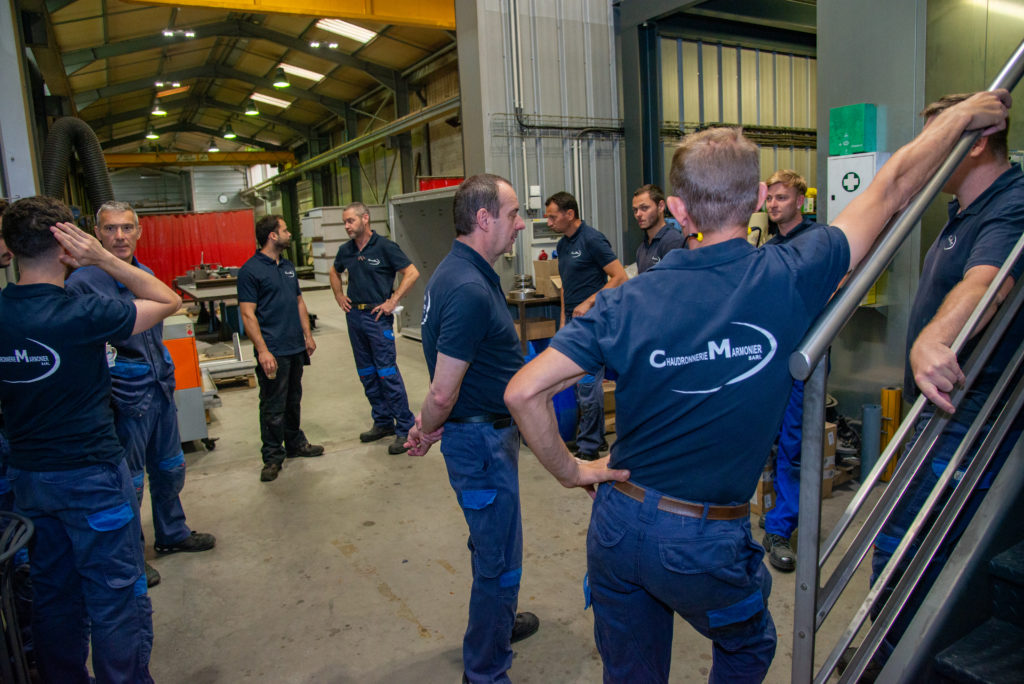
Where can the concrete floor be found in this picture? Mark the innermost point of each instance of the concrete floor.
(353, 567)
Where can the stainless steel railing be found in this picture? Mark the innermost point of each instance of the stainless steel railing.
(812, 602)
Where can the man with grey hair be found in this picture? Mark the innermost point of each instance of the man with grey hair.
(142, 391)
(675, 537)
(372, 262)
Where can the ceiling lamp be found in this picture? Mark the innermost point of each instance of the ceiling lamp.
(333, 46)
(151, 134)
(343, 28)
(267, 99)
(281, 79)
(251, 109)
(168, 33)
(293, 70)
(229, 134)
(157, 111)
(213, 146)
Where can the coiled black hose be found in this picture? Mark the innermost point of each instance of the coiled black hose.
(69, 134)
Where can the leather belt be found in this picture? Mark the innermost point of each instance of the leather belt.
(499, 421)
(686, 509)
(364, 307)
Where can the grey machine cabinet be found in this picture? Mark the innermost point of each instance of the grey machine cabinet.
(423, 225)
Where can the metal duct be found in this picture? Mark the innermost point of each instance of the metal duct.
(72, 134)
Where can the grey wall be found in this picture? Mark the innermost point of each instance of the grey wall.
(567, 53)
(873, 51)
(153, 190)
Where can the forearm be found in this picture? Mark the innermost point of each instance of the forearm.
(141, 284)
(952, 315)
(335, 279)
(409, 277)
(304, 319)
(252, 331)
(536, 419)
(435, 411)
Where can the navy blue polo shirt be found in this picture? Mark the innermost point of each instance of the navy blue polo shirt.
(702, 389)
(466, 317)
(142, 362)
(650, 253)
(981, 235)
(274, 289)
(581, 262)
(371, 270)
(799, 228)
(54, 384)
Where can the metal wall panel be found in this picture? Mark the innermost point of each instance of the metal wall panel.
(210, 182)
(153, 190)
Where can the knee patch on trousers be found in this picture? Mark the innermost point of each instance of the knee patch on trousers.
(737, 622)
(173, 462)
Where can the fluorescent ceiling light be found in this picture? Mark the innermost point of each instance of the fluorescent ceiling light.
(300, 72)
(168, 33)
(274, 101)
(343, 28)
(314, 43)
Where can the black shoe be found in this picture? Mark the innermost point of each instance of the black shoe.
(587, 455)
(871, 672)
(603, 446)
(377, 432)
(307, 450)
(526, 625)
(152, 576)
(780, 553)
(197, 541)
(398, 446)
(269, 472)
(760, 522)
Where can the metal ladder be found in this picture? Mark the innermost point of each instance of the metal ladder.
(814, 602)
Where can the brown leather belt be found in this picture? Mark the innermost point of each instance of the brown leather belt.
(687, 509)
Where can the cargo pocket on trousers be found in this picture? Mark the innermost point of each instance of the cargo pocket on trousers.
(479, 508)
(734, 625)
(119, 568)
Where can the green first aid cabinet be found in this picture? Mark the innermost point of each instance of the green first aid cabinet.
(852, 129)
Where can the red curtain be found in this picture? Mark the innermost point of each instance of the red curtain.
(171, 244)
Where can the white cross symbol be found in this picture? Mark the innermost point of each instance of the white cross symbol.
(851, 181)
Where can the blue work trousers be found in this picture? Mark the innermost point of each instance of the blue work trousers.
(373, 348)
(152, 445)
(645, 564)
(590, 399)
(281, 408)
(782, 519)
(903, 516)
(483, 468)
(87, 574)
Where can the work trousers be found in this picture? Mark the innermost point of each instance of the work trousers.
(152, 445)
(373, 348)
(782, 519)
(917, 493)
(645, 564)
(87, 574)
(590, 399)
(280, 408)
(483, 469)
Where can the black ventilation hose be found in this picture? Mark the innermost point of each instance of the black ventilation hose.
(70, 134)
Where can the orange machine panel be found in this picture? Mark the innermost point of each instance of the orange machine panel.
(186, 362)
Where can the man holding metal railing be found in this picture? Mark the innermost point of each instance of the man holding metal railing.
(675, 537)
(986, 218)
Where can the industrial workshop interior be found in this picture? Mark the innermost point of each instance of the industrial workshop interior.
(351, 565)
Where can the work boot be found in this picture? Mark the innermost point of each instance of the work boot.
(587, 455)
(152, 576)
(780, 553)
(526, 625)
(398, 446)
(269, 472)
(307, 450)
(377, 432)
(197, 541)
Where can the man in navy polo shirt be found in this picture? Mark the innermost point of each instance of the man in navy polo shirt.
(676, 536)
(372, 262)
(587, 265)
(66, 465)
(659, 237)
(986, 218)
(142, 380)
(786, 193)
(276, 320)
(472, 350)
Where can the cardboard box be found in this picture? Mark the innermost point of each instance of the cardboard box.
(764, 497)
(828, 463)
(537, 328)
(609, 396)
(542, 274)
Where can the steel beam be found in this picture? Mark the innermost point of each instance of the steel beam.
(136, 159)
(188, 128)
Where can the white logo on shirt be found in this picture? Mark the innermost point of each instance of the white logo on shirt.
(655, 259)
(373, 262)
(950, 241)
(426, 308)
(289, 272)
(576, 253)
(741, 353)
(33, 357)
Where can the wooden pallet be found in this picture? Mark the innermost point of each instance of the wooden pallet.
(248, 379)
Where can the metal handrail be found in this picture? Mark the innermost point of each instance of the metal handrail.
(806, 364)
